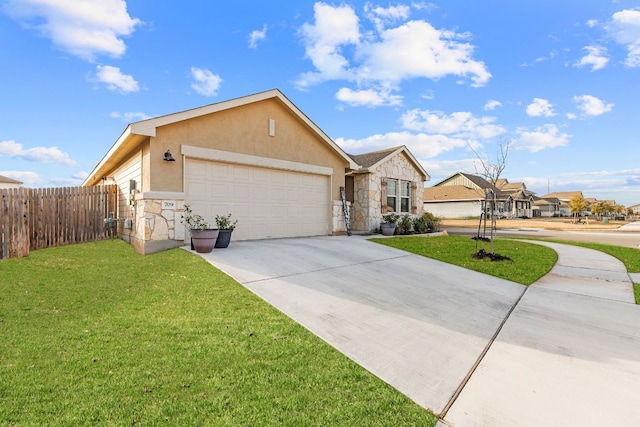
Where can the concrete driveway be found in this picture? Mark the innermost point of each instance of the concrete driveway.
(418, 324)
(474, 349)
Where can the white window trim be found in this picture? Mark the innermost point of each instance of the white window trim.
(399, 197)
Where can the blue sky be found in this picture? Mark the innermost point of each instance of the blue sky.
(558, 80)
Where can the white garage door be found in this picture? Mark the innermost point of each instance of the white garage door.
(268, 203)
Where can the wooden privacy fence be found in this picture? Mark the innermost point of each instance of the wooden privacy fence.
(37, 218)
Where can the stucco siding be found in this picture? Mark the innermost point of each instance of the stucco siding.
(242, 130)
(130, 170)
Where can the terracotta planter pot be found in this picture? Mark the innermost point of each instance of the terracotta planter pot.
(204, 240)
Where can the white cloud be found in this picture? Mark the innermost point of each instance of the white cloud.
(423, 146)
(441, 169)
(540, 108)
(370, 97)
(492, 104)
(381, 17)
(83, 28)
(130, 117)
(547, 136)
(257, 36)
(333, 27)
(459, 124)
(596, 58)
(624, 27)
(549, 57)
(82, 175)
(418, 50)
(12, 149)
(591, 105)
(205, 82)
(592, 23)
(115, 80)
(28, 178)
(384, 56)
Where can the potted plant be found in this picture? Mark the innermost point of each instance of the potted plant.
(203, 237)
(388, 226)
(226, 226)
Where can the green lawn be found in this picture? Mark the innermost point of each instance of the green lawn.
(96, 334)
(529, 261)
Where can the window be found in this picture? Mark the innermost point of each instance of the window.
(405, 193)
(398, 196)
(392, 195)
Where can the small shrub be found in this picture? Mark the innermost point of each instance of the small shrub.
(432, 221)
(420, 225)
(224, 222)
(391, 218)
(405, 225)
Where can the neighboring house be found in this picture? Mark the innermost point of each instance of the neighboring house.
(6, 182)
(462, 195)
(635, 209)
(257, 157)
(563, 198)
(547, 207)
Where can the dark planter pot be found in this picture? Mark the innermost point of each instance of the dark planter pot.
(204, 240)
(387, 229)
(224, 238)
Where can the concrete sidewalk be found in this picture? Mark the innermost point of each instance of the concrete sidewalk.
(568, 354)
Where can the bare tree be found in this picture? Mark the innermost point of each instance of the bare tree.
(491, 171)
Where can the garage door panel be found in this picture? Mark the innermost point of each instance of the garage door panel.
(267, 203)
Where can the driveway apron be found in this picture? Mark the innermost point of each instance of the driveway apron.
(418, 324)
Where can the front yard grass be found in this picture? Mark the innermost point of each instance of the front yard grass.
(529, 261)
(96, 334)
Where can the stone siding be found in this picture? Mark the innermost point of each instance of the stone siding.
(158, 225)
(368, 189)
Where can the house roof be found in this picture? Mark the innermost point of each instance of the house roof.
(367, 160)
(7, 180)
(475, 181)
(562, 195)
(512, 186)
(137, 132)
(375, 158)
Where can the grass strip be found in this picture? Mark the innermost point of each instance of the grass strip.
(529, 262)
(97, 334)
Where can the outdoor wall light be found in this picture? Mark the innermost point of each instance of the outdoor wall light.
(168, 157)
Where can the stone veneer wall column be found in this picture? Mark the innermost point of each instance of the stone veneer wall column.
(360, 206)
(339, 225)
(158, 225)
